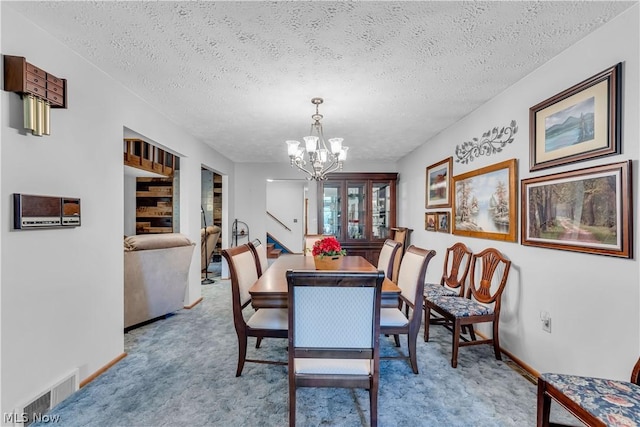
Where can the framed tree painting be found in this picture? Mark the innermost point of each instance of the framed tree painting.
(485, 202)
(438, 184)
(586, 210)
(577, 124)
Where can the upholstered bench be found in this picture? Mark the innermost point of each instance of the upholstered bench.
(594, 401)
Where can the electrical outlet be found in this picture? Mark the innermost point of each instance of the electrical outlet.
(545, 318)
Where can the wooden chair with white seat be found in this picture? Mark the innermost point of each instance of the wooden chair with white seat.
(334, 332)
(260, 252)
(393, 321)
(264, 323)
(387, 258)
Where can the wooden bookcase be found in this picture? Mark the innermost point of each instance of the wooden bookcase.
(217, 209)
(154, 205)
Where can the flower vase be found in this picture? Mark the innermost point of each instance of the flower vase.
(327, 262)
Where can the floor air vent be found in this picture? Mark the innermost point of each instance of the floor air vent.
(36, 409)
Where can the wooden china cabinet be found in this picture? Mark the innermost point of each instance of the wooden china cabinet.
(359, 209)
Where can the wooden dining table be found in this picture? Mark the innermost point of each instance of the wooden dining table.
(270, 291)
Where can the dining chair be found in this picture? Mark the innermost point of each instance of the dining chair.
(481, 304)
(260, 252)
(594, 401)
(310, 240)
(452, 283)
(263, 323)
(399, 234)
(386, 260)
(395, 321)
(334, 332)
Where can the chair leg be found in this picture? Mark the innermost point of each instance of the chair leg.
(472, 332)
(427, 316)
(292, 403)
(496, 340)
(544, 405)
(456, 343)
(373, 404)
(242, 353)
(396, 338)
(413, 337)
(258, 341)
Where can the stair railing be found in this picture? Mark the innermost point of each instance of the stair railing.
(278, 221)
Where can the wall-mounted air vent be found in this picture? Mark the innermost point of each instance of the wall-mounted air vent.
(35, 410)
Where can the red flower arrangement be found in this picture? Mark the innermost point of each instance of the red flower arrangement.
(329, 246)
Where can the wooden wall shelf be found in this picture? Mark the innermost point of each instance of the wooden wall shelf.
(143, 155)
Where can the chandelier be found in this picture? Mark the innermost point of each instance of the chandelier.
(322, 158)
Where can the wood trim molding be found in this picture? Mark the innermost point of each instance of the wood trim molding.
(517, 361)
(196, 302)
(100, 371)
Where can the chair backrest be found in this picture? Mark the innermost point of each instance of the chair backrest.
(400, 234)
(310, 239)
(213, 234)
(635, 373)
(260, 252)
(456, 267)
(390, 249)
(244, 273)
(334, 314)
(489, 273)
(411, 276)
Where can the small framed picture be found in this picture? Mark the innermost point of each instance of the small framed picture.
(442, 224)
(438, 184)
(430, 221)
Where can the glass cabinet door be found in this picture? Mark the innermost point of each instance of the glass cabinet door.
(380, 210)
(332, 209)
(356, 210)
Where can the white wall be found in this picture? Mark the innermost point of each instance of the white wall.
(62, 290)
(593, 300)
(285, 201)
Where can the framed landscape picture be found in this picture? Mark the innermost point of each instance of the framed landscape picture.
(577, 124)
(586, 210)
(485, 202)
(438, 184)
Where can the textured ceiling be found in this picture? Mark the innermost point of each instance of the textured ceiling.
(240, 75)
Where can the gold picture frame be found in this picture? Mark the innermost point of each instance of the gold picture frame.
(485, 202)
(579, 123)
(438, 184)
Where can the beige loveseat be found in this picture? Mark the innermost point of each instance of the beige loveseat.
(156, 272)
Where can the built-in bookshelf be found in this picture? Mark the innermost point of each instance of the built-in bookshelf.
(154, 205)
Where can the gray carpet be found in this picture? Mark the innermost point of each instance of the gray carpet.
(181, 371)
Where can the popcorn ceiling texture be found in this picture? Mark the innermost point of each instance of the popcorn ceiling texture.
(240, 75)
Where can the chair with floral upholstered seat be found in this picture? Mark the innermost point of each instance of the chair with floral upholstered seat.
(454, 276)
(594, 401)
(481, 304)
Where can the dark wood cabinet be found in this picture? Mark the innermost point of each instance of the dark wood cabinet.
(359, 209)
(25, 78)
